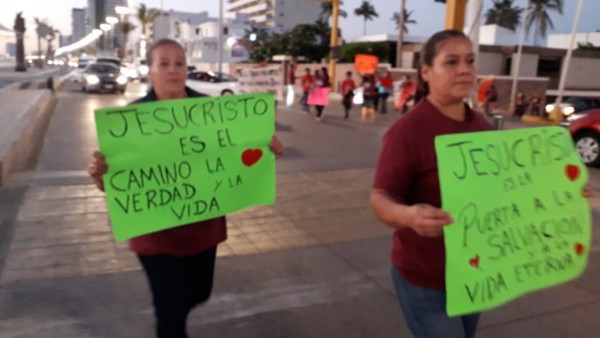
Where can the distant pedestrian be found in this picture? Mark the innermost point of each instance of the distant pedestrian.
(536, 103)
(307, 83)
(377, 84)
(520, 104)
(321, 83)
(407, 94)
(491, 96)
(386, 84)
(370, 94)
(347, 91)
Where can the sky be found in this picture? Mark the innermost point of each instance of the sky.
(429, 15)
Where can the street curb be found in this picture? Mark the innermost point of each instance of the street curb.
(22, 140)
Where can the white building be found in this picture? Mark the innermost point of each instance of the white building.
(175, 25)
(562, 40)
(7, 37)
(284, 14)
(495, 35)
(203, 41)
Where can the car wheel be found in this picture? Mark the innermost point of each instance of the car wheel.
(226, 92)
(588, 148)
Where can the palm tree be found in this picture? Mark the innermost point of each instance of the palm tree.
(327, 10)
(504, 14)
(42, 30)
(146, 17)
(367, 11)
(125, 27)
(539, 14)
(407, 20)
(49, 39)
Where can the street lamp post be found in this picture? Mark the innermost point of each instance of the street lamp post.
(111, 20)
(105, 28)
(123, 12)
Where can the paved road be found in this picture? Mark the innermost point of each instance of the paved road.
(313, 265)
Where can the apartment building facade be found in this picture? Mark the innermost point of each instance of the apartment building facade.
(281, 14)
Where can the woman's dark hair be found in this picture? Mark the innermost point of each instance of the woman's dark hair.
(430, 50)
(160, 43)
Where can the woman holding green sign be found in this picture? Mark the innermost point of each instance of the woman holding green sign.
(179, 262)
(406, 193)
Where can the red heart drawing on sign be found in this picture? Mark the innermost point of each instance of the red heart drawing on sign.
(579, 248)
(474, 262)
(251, 156)
(572, 172)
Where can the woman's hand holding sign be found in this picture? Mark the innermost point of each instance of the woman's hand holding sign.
(97, 168)
(276, 147)
(427, 220)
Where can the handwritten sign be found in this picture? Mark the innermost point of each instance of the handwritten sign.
(521, 223)
(365, 63)
(175, 162)
(261, 80)
(319, 97)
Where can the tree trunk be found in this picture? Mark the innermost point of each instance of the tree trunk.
(365, 27)
(400, 34)
(40, 64)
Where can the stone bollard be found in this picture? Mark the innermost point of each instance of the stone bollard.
(498, 122)
(50, 83)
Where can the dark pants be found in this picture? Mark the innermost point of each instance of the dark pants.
(383, 102)
(319, 110)
(347, 102)
(304, 101)
(178, 284)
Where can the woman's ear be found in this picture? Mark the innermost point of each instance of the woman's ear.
(425, 72)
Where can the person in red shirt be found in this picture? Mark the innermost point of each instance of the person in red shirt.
(386, 84)
(308, 83)
(406, 192)
(369, 94)
(179, 262)
(347, 91)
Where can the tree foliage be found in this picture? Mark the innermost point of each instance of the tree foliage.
(539, 14)
(588, 46)
(407, 20)
(367, 11)
(327, 11)
(504, 14)
(310, 41)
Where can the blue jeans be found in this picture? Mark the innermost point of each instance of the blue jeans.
(425, 312)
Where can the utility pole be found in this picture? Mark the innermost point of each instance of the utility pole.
(220, 41)
(400, 34)
(335, 12)
(455, 14)
(517, 67)
(556, 114)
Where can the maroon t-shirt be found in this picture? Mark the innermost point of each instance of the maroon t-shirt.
(186, 240)
(407, 170)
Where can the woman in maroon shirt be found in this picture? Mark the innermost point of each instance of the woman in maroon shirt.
(406, 192)
(179, 262)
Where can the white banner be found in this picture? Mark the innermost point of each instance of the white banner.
(261, 80)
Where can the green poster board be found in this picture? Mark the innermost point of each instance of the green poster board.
(175, 162)
(521, 222)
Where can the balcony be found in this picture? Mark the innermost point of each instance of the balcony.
(256, 8)
(236, 6)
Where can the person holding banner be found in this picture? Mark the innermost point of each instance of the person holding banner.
(406, 193)
(319, 96)
(178, 262)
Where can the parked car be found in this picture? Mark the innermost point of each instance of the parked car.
(574, 105)
(104, 76)
(212, 83)
(141, 68)
(585, 130)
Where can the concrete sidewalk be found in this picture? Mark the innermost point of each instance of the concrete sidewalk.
(315, 264)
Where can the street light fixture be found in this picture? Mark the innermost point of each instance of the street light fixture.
(122, 10)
